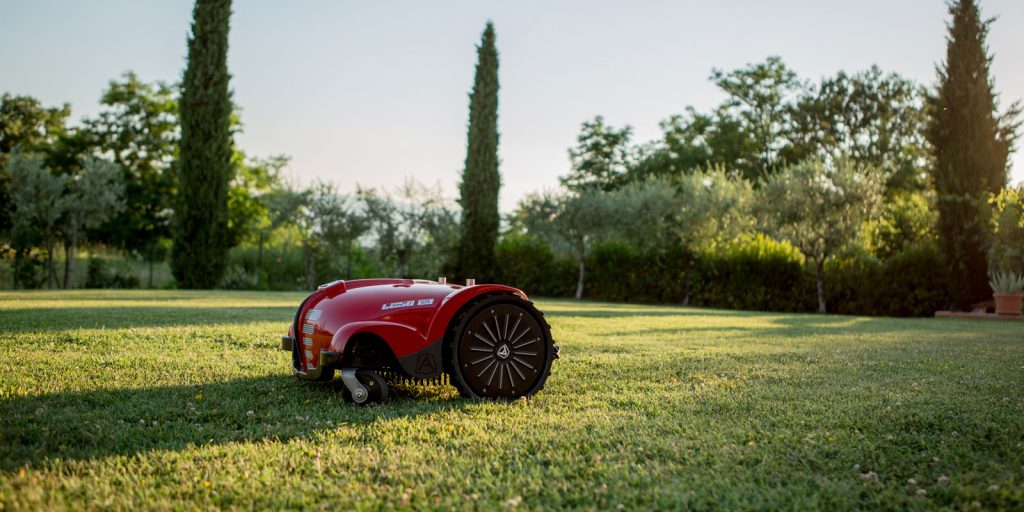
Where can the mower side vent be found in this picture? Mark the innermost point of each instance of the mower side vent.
(313, 315)
(307, 328)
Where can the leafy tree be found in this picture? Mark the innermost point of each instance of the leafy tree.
(91, 197)
(138, 131)
(906, 218)
(327, 222)
(481, 180)
(971, 145)
(204, 167)
(694, 141)
(691, 212)
(570, 220)
(1007, 251)
(759, 97)
(601, 158)
(819, 208)
(414, 230)
(248, 209)
(26, 124)
(259, 202)
(38, 199)
(870, 117)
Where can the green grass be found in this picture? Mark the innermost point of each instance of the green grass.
(154, 399)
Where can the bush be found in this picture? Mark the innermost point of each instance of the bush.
(99, 276)
(756, 273)
(853, 283)
(913, 282)
(29, 270)
(905, 219)
(614, 272)
(529, 264)
(1007, 252)
(237, 277)
(279, 269)
(910, 283)
(617, 271)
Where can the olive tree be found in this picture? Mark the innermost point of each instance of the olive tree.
(414, 229)
(92, 197)
(37, 196)
(325, 219)
(819, 208)
(571, 221)
(690, 211)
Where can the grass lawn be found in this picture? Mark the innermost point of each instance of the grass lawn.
(115, 399)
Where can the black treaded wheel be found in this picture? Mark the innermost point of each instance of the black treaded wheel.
(374, 384)
(501, 347)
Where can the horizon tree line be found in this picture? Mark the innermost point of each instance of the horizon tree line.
(944, 149)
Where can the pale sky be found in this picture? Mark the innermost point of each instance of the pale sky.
(375, 92)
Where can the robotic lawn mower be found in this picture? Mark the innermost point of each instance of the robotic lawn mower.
(489, 341)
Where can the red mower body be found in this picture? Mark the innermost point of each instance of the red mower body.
(399, 327)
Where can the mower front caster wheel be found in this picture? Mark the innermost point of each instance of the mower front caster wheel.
(364, 387)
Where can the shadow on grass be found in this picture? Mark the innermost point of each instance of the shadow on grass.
(647, 311)
(93, 424)
(796, 326)
(50, 319)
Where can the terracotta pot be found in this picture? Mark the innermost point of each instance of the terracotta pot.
(1008, 303)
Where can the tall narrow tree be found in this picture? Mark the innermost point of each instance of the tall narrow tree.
(204, 166)
(480, 179)
(971, 142)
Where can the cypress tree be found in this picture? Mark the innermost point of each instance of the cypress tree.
(480, 179)
(204, 165)
(971, 144)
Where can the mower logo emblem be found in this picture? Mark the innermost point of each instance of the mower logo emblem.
(425, 364)
(406, 304)
(396, 305)
(503, 352)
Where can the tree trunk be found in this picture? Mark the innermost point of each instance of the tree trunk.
(348, 263)
(51, 270)
(18, 257)
(687, 279)
(152, 256)
(579, 282)
(259, 257)
(310, 265)
(69, 261)
(821, 285)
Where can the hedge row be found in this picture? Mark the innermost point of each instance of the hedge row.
(754, 274)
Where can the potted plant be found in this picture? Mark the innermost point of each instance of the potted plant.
(1006, 252)
(1008, 291)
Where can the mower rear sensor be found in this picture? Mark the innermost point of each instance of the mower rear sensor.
(489, 341)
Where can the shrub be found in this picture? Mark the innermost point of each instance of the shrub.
(756, 273)
(278, 270)
(905, 219)
(910, 283)
(29, 270)
(530, 265)
(1007, 251)
(612, 272)
(852, 283)
(98, 275)
(237, 277)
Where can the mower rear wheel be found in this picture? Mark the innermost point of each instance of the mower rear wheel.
(501, 347)
(375, 385)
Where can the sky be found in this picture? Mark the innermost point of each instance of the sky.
(374, 93)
